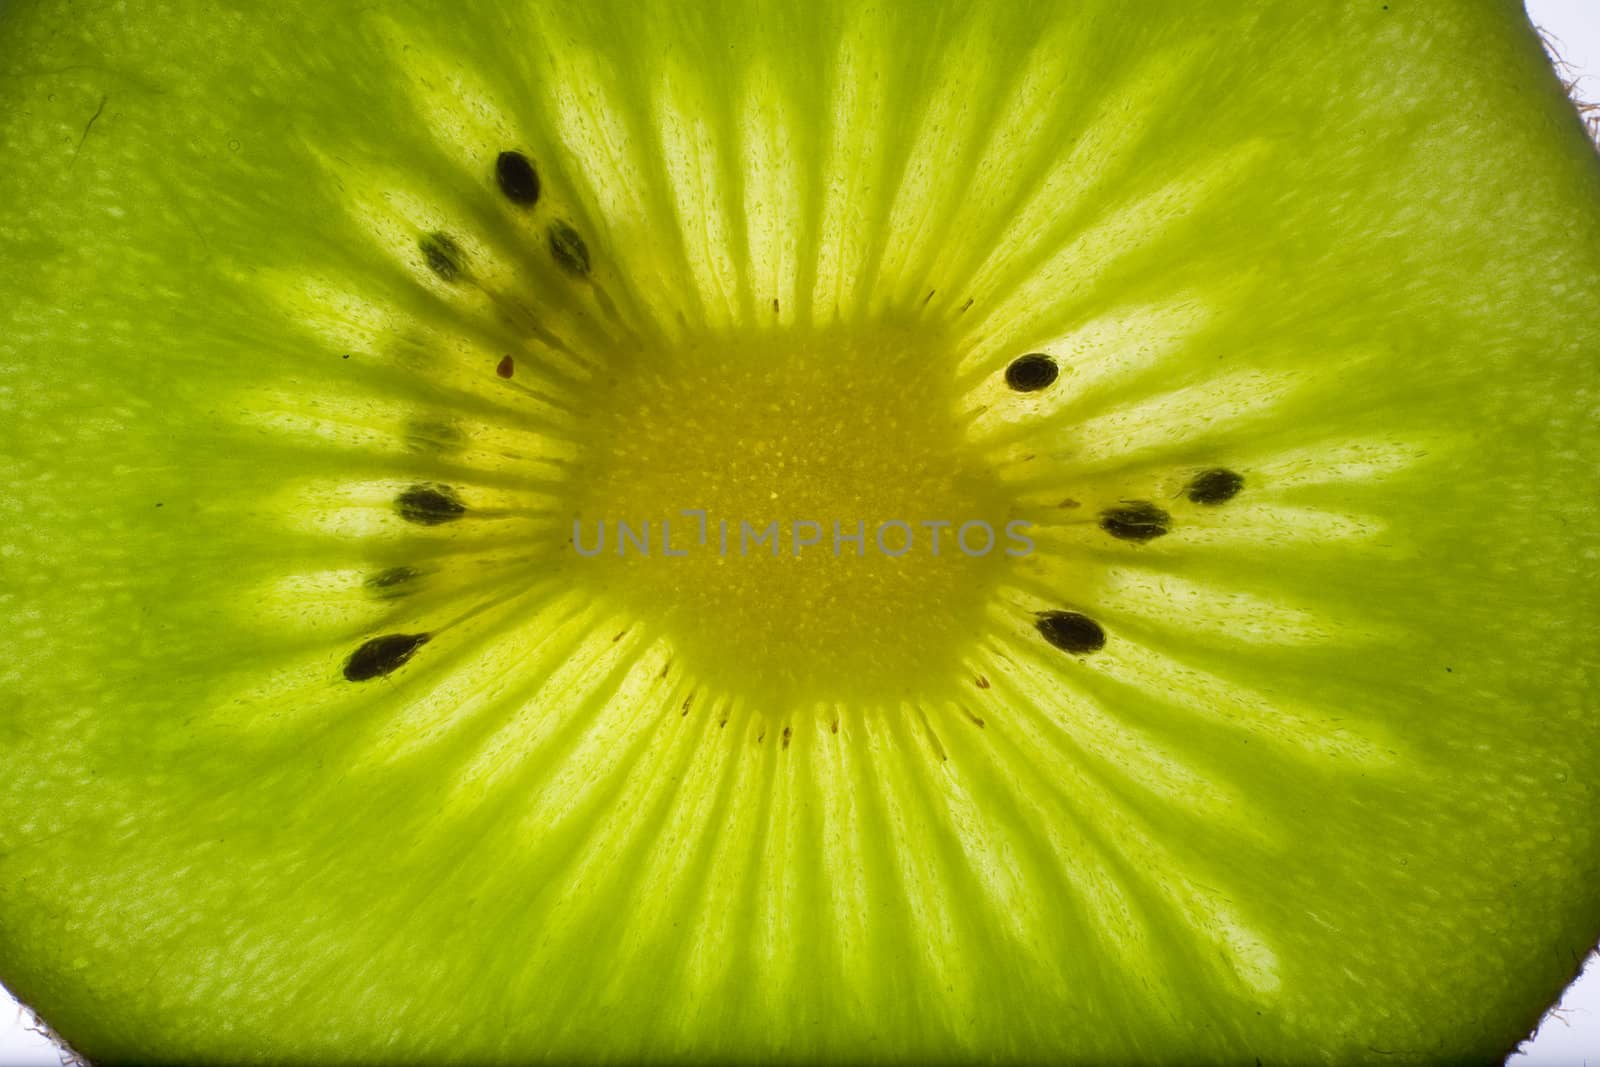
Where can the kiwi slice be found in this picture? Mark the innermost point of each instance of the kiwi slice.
(1240, 354)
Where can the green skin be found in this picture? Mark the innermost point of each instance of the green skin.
(1322, 794)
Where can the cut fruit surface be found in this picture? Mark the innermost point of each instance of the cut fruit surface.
(799, 510)
(819, 533)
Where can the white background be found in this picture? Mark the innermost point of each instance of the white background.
(1570, 1034)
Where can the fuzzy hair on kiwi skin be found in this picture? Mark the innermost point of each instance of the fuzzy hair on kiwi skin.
(33, 1024)
(1572, 81)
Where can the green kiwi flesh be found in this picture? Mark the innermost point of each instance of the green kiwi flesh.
(330, 334)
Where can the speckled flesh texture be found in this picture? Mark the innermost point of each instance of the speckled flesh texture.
(330, 335)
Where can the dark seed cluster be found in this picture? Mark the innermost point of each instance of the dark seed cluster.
(392, 582)
(382, 656)
(1215, 486)
(1071, 631)
(517, 178)
(1138, 521)
(442, 255)
(1030, 373)
(568, 249)
(429, 505)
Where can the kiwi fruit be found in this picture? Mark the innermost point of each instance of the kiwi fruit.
(796, 532)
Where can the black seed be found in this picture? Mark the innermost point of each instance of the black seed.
(506, 367)
(1071, 631)
(517, 178)
(568, 249)
(1030, 373)
(442, 255)
(430, 505)
(1215, 486)
(392, 582)
(1139, 521)
(382, 655)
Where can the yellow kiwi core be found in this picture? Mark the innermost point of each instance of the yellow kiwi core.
(772, 502)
